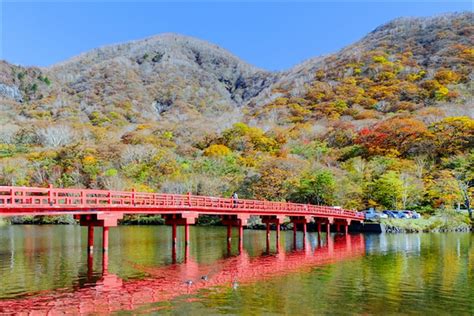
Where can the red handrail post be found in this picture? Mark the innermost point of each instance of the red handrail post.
(12, 196)
(82, 197)
(50, 195)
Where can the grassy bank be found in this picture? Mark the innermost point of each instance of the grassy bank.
(445, 221)
(42, 220)
(127, 220)
(442, 221)
(4, 222)
(142, 220)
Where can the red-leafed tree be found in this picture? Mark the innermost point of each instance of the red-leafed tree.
(396, 136)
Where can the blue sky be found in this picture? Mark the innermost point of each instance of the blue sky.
(271, 35)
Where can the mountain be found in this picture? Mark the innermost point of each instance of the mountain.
(400, 56)
(161, 71)
(164, 73)
(177, 114)
(180, 78)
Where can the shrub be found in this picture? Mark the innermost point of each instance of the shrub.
(8, 133)
(56, 136)
(217, 150)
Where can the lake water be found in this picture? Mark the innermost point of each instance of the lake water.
(47, 269)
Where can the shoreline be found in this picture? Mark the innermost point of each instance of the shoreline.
(432, 224)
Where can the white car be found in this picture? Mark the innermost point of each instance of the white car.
(372, 214)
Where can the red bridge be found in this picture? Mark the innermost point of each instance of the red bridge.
(104, 209)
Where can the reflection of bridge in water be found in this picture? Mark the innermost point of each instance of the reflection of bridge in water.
(110, 293)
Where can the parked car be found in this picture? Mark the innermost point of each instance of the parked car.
(399, 214)
(415, 215)
(390, 214)
(371, 214)
(409, 214)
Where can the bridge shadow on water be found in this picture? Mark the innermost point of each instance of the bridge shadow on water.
(100, 291)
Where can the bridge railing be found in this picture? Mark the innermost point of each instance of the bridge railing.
(23, 197)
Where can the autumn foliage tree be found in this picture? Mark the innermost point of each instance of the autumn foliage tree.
(453, 134)
(316, 187)
(274, 179)
(396, 137)
(244, 138)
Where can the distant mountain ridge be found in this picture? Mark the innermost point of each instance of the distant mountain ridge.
(189, 58)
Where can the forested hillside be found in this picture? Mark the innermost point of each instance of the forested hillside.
(386, 122)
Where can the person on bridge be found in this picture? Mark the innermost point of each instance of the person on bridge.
(235, 198)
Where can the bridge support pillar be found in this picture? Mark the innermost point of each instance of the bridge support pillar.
(90, 239)
(277, 220)
(229, 233)
(173, 234)
(229, 239)
(268, 237)
(277, 231)
(303, 220)
(326, 222)
(105, 263)
(186, 254)
(186, 235)
(347, 222)
(342, 225)
(186, 242)
(173, 254)
(238, 221)
(90, 265)
(241, 237)
(104, 220)
(294, 235)
(277, 239)
(105, 239)
(182, 219)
